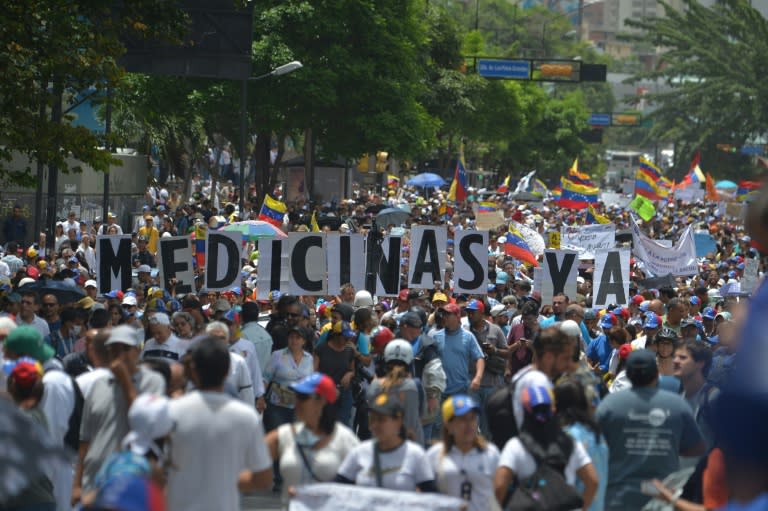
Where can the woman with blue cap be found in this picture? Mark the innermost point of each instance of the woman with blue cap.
(464, 462)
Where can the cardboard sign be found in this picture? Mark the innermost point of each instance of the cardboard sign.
(273, 267)
(387, 269)
(679, 260)
(489, 221)
(538, 279)
(222, 260)
(554, 239)
(346, 261)
(306, 261)
(113, 257)
(427, 256)
(470, 262)
(345, 497)
(611, 278)
(560, 270)
(175, 262)
(588, 239)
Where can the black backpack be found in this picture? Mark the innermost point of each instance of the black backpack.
(500, 414)
(72, 437)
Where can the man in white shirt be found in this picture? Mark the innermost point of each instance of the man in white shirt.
(30, 305)
(255, 333)
(218, 441)
(164, 344)
(104, 229)
(239, 377)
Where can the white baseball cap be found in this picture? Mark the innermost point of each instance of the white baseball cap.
(149, 419)
(144, 268)
(90, 283)
(130, 300)
(124, 334)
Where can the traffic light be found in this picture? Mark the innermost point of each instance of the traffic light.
(362, 165)
(556, 70)
(381, 161)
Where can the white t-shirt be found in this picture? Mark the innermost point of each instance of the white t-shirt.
(86, 380)
(216, 437)
(518, 460)
(402, 468)
(324, 462)
(240, 378)
(172, 349)
(528, 378)
(477, 467)
(247, 350)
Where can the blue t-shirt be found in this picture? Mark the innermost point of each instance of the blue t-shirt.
(457, 350)
(599, 350)
(646, 429)
(598, 451)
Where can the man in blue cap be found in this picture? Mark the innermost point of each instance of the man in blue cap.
(599, 350)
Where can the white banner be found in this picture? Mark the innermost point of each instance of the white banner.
(470, 267)
(611, 279)
(223, 250)
(588, 239)
(680, 260)
(306, 261)
(346, 261)
(113, 257)
(750, 277)
(389, 268)
(559, 273)
(273, 267)
(175, 262)
(348, 497)
(427, 256)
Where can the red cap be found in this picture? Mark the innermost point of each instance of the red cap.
(33, 272)
(317, 383)
(638, 299)
(381, 336)
(451, 308)
(403, 296)
(624, 351)
(26, 374)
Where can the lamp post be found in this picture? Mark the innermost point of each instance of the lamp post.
(280, 70)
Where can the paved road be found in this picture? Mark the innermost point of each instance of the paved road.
(262, 501)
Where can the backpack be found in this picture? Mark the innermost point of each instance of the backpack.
(546, 489)
(500, 412)
(72, 437)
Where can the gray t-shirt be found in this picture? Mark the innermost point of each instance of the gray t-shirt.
(493, 335)
(646, 429)
(408, 392)
(105, 418)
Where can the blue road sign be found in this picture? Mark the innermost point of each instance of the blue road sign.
(509, 69)
(599, 119)
(753, 149)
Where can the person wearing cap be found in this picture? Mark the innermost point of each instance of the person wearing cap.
(465, 463)
(708, 320)
(105, 411)
(311, 448)
(239, 382)
(689, 329)
(651, 327)
(599, 350)
(665, 342)
(388, 460)
(150, 232)
(402, 306)
(541, 434)
(143, 256)
(91, 288)
(641, 420)
(25, 386)
(500, 317)
(218, 441)
(287, 315)
(145, 451)
(459, 349)
(163, 343)
(493, 342)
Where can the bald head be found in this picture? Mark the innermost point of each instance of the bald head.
(656, 306)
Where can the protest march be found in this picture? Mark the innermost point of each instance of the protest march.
(526, 348)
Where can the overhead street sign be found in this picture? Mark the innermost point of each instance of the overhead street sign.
(599, 119)
(509, 69)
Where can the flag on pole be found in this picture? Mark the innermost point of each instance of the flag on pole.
(539, 188)
(515, 246)
(525, 182)
(643, 207)
(486, 207)
(711, 194)
(593, 217)
(200, 232)
(504, 186)
(577, 177)
(747, 189)
(458, 190)
(649, 182)
(576, 196)
(273, 211)
(393, 181)
(313, 222)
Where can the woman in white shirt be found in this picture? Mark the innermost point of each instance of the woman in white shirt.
(311, 449)
(388, 460)
(464, 463)
(542, 430)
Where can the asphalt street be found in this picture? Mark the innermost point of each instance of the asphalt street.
(261, 501)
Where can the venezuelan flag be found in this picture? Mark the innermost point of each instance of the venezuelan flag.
(458, 190)
(557, 191)
(201, 233)
(576, 196)
(504, 186)
(273, 211)
(747, 189)
(515, 246)
(593, 217)
(393, 181)
(486, 207)
(577, 177)
(648, 181)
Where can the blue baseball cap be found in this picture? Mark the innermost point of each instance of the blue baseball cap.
(475, 305)
(537, 400)
(317, 383)
(708, 313)
(644, 305)
(695, 300)
(458, 405)
(608, 320)
(491, 288)
(652, 321)
(502, 277)
(740, 266)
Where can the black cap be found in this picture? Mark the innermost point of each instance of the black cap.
(388, 404)
(411, 319)
(642, 363)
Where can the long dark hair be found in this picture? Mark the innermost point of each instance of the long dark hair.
(572, 406)
(327, 421)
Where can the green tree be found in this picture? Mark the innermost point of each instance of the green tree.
(714, 62)
(53, 49)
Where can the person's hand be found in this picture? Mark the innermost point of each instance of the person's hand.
(77, 491)
(475, 385)
(346, 379)
(120, 370)
(291, 491)
(261, 404)
(665, 493)
(432, 403)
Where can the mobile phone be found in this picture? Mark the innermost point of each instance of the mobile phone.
(648, 488)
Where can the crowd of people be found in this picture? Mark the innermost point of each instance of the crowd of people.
(192, 399)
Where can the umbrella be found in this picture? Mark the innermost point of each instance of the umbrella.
(26, 451)
(64, 291)
(394, 216)
(254, 230)
(332, 221)
(725, 184)
(525, 197)
(426, 180)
